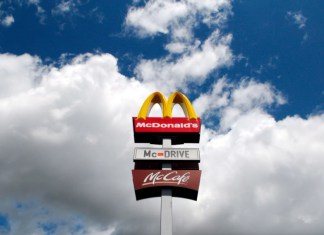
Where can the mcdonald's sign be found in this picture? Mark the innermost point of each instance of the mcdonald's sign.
(179, 129)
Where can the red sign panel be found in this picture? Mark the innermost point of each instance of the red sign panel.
(169, 125)
(179, 129)
(189, 179)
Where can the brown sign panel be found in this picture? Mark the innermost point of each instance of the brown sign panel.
(184, 183)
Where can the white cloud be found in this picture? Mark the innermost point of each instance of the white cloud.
(7, 20)
(18, 73)
(262, 177)
(191, 59)
(229, 101)
(45, 134)
(59, 11)
(193, 66)
(177, 19)
(251, 94)
(73, 9)
(66, 7)
(66, 144)
(109, 231)
(215, 99)
(40, 12)
(9, 8)
(298, 18)
(36, 2)
(156, 16)
(176, 47)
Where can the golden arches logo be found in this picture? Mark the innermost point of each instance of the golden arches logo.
(167, 105)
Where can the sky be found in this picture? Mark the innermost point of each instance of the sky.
(74, 72)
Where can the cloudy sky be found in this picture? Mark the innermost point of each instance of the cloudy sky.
(74, 72)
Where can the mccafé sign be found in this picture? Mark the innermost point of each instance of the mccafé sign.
(179, 129)
(157, 178)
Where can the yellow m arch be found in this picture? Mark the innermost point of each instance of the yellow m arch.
(167, 105)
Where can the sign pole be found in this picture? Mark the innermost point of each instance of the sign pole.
(166, 198)
(149, 179)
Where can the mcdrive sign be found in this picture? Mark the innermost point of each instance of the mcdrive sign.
(165, 154)
(179, 129)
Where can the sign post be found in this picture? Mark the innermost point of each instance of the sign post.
(166, 172)
(166, 198)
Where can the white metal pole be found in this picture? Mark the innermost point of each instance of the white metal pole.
(166, 198)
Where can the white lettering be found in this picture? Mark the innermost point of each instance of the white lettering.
(140, 124)
(169, 178)
(167, 125)
(151, 177)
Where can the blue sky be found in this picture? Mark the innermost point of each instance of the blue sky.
(275, 45)
(282, 41)
(74, 72)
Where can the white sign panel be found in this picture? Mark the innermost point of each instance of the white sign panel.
(179, 154)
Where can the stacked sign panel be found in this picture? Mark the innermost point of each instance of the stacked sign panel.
(153, 129)
(167, 154)
(148, 176)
